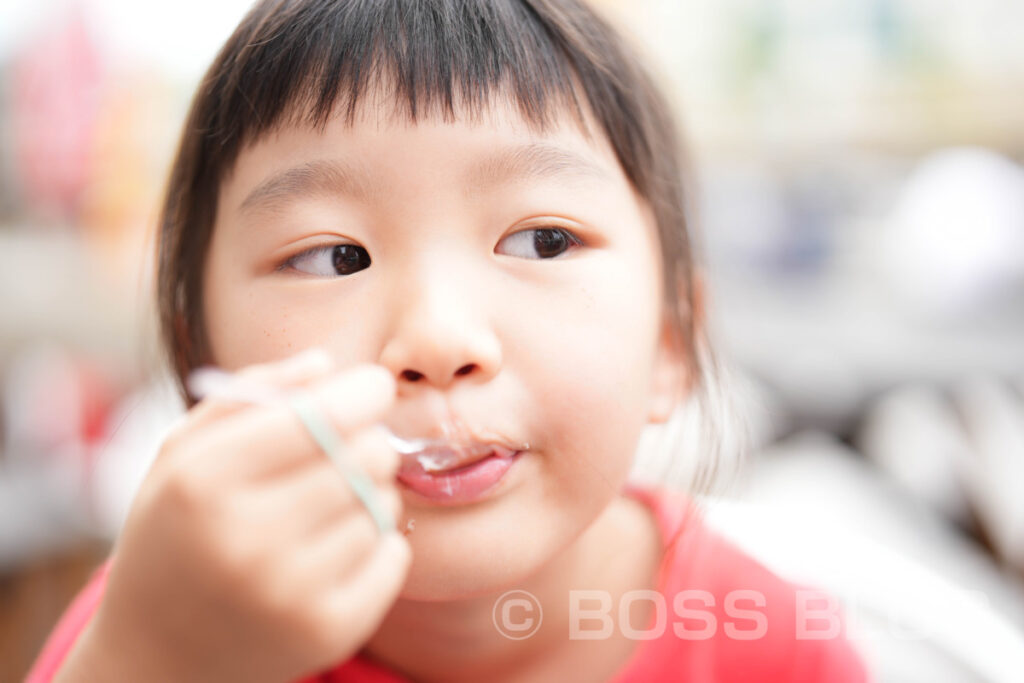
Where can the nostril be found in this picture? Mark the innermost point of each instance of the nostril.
(414, 376)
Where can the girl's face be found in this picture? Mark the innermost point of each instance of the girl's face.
(509, 280)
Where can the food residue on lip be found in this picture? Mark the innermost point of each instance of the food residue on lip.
(409, 527)
(439, 460)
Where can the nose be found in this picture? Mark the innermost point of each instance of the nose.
(440, 336)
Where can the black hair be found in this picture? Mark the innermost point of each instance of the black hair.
(295, 61)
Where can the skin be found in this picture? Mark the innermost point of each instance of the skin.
(567, 354)
(456, 314)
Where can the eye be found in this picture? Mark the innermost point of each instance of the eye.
(543, 243)
(330, 260)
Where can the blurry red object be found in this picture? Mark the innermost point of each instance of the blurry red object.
(56, 89)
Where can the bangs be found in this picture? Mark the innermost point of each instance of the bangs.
(301, 62)
(307, 61)
(428, 58)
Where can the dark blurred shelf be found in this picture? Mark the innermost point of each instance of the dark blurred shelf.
(32, 598)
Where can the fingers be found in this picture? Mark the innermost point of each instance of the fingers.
(292, 372)
(356, 398)
(360, 604)
(338, 548)
(322, 491)
(269, 439)
(367, 450)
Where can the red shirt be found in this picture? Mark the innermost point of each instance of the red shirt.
(724, 618)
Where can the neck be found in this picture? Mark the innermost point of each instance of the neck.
(458, 640)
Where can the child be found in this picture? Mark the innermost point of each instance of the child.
(475, 209)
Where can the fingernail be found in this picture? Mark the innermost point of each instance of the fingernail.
(355, 395)
(365, 377)
(309, 360)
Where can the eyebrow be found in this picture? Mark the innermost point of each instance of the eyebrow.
(539, 160)
(317, 178)
(327, 177)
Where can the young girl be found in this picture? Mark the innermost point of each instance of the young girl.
(473, 212)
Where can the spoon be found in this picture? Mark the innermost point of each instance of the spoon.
(210, 381)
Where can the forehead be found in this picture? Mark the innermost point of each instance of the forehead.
(564, 136)
(494, 141)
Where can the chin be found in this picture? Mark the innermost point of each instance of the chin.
(462, 556)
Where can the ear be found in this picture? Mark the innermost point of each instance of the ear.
(671, 378)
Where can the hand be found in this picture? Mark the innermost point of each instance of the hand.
(245, 555)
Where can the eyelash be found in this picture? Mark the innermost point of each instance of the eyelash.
(574, 242)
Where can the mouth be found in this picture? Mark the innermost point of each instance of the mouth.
(460, 473)
(439, 457)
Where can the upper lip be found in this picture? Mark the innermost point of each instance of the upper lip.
(457, 450)
(455, 443)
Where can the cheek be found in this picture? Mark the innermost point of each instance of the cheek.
(592, 363)
(255, 321)
(246, 329)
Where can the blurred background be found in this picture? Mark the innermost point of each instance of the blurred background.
(861, 210)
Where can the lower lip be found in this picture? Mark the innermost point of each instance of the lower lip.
(459, 486)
